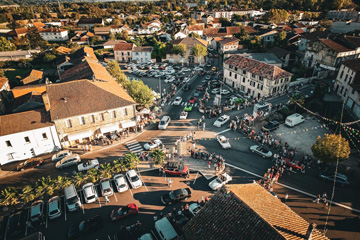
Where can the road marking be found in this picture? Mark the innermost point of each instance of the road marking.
(295, 189)
(131, 141)
(195, 105)
(142, 180)
(82, 205)
(109, 237)
(26, 229)
(7, 225)
(226, 130)
(154, 235)
(99, 202)
(131, 192)
(182, 104)
(134, 146)
(46, 221)
(115, 197)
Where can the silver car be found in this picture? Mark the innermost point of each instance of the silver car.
(54, 207)
(261, 151)
(68, 161)
(106, 189)
(60, 155)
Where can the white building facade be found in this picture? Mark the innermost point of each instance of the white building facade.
(30, 138)
(255, 78)
(142, 54)
(54, 34)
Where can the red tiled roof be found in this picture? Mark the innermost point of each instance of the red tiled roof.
(51, 30)
(189, 41)
(268, 71)
(299, 25)
(298, 30)
(123, 47)
(316, 35)
(63, 50)
(21, 31)
(355, 41)
(335, 46)
(3, 80)
(227, 41)
(24, 121)
(38, 24)
(35, 75)
(195, 27)
(23, 90)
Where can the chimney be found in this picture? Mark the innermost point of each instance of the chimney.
(309, 231)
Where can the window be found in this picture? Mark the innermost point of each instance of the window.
(8, 143)
(243, 80)
(92, 118)
(10, 156)
(345, 78)
(235, 68)
(114, 114)
(253, 76)
(244, 72)
(235, 76)
(82, 120)
(101, 117)
(44, 136)
(341, 74)
(68, 123)
(353, 91)
(345, 92)
(260, 78)
(230, 74)
(125, 112)
(27, 139)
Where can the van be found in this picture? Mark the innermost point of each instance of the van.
(294, 120)
(165, 230)
(72, 198)
(164, 122)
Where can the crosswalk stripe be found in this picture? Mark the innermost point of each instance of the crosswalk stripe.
(182, 104)
(135, 147)
(131, 142)
(137, 151)
(195, 105)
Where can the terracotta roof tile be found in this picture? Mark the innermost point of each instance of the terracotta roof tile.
(195, 27)
(334, 45)
(316, 35)
(85, 20)
(23, 90)
(52, 30)
(143, 49)
(268, 71)
(34, 76)
(123, 47)
(21, 31)
(227, 41)
(3, 80)
(355, 41)
(38, 24)
(24, 121)
(189, 41)
(63, 50)
(113, 42)
(298, 30)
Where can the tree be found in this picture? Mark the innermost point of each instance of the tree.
(35, 40)
(195, 35)
(280, 39)
(256, 43)
(131, 160)
(93, 175)
(49, 57)
(6, 45)
(224, 22)
(45, 185)
(140, 92)
(27, 194)
(79, 179)
(119, 165)
(124, 35)
(179, 49)
(158, 156)
(276, 16)
(331, 148)
(105, 170)
(9, 197)
(191, 21)
(199, 51)
(115, 71)
(61, 182)
(325, 24)
(243, 35)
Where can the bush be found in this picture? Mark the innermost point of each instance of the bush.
(285, 111)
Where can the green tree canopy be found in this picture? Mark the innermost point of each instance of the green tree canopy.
(131, 160)
(280, 39)
(6, 45)
(158, 156)
(243, 35)
(179, 49)
(48, 57)
(199, 51)
(115, 71)
(276, 16)
(140, 92)
(330, 148)
(35, 40)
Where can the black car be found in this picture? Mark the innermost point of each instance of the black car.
(16, 224)
(340, 178)
(270, 126)
(176, 195)
(186, 87)
(85, 227)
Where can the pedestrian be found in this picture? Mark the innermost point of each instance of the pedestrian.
(317, 200)
(194, 145)
(169, 182)
(209, 165)
(324, 197)
(83, 147)
(107, 200)
(286, 198)
(203, 126)
(194, 134)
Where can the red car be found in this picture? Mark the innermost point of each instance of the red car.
(202, 73)
(294, 164)
(192, 100)
(175, 168)
(200, 88)
(30, 163)
(123, 212)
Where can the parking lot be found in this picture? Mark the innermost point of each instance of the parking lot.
(147, 198)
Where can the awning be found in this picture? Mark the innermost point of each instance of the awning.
(110, 128)
(127, 124)
(80, 135)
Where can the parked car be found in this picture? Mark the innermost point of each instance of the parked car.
(220, 181)
(293, 164)
(208, 77)
(294, 120)
(340, 178)
(85, 227)
(175, 168)
(213, 69)
(146, 236)
(215, 91)
(30, 163)
(197, 94)
(89, 164)
(16, 224)
(224, 92)
(200, 88)
(133, 179)
(186, 87)
(216, 55)
(153, 144)
(188, 108)
(54, 207)
(90, 193)
(202, 73)
(260, 150)
(270, 126)
(224, 142)
(68, 161)
(120, 183)
(177, 101)
(60, 155)
(186, 80)
(194, 208)
(192, 100)
(183, 115)
(221, 120)
(37, 211)
(123, 212)
(106, 189)
(176, 195)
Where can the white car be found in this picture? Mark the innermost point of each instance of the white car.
(153, 144)
(261, 151)
(90, 194)
(186, 69)
(221, 121)
(89, 164)
(194, 208)
(224, 92)
(198, 69)
(183, 115)
(187, 79)
(224, 142)
(120, 183)
(133, 179)
(105, 186)
(220, 181)
(177, 101)
(215, 91)
(170, 80)
(60, 155)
